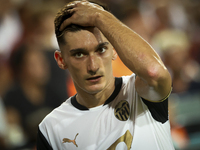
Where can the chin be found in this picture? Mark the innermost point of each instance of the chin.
(94, 89)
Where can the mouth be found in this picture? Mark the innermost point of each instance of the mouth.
(94, 79)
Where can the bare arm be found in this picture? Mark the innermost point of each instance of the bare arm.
(153, 81)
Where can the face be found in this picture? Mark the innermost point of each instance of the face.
(88, 56)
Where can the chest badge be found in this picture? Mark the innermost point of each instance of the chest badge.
(71, 141)
(122, 110)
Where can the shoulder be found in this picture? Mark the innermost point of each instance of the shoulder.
(159, 110)
(129, 78)
(50, 122)
(128, 83)
(50, 125)
(56, 115)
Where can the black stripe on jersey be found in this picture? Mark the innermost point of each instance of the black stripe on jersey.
(77, 105)
(42, 143)
(159, 110)
(118, 84)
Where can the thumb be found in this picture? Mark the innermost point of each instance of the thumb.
(65, 23)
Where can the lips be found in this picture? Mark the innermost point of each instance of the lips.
(94, 79)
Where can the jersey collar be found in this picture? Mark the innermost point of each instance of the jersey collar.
(118, 84)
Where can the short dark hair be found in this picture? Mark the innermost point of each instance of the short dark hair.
(62, 15)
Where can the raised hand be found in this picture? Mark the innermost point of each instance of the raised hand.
(84, 13)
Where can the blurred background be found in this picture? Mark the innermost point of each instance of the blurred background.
(31, 84)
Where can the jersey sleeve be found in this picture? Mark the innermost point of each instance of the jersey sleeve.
(159, 110)
(42, 143)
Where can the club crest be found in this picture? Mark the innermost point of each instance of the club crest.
(122, 110)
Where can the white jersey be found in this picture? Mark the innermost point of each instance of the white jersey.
(124, 122)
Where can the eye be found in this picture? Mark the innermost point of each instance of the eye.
(79, 55)
(102, 49)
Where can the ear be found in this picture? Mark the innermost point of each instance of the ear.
(59, 59)
(114, 54)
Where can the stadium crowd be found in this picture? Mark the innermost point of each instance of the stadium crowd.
(31, 84)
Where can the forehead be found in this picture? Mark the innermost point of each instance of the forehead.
(86, 38)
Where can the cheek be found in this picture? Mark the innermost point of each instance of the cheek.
(107, 64)
(107, 59)
(76, 68)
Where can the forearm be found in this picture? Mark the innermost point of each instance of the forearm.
(135, 53)
(133, 50)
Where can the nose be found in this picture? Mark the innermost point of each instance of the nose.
(93, 65)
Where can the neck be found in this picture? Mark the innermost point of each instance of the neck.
(92, 100)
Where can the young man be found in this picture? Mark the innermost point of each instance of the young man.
(107, 112)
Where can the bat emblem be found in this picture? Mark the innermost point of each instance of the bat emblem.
(122, 110)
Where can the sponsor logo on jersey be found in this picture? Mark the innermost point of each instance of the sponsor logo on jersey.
(122, 110)
(71, 141)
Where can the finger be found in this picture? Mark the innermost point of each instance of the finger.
(84, 1)
(98, 6)
(65, 23)
(70, 11)
(68, 7)
(94, 4)
(73, 4)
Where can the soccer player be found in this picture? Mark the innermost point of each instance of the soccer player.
(130, 112)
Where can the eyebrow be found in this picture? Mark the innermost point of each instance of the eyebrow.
(77, 50)
(101, 45)
(84, 50)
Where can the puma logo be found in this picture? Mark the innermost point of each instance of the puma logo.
(71, 141)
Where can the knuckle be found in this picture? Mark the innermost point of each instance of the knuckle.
(79, 4)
